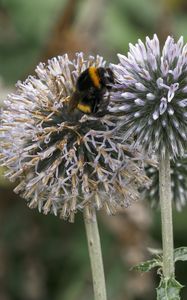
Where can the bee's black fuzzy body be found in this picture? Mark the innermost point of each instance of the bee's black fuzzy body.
(91, 86)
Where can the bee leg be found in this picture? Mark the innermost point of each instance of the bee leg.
(95, 105)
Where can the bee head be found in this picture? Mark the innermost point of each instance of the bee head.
(106, 76)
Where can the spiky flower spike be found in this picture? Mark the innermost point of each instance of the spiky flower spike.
(153, 94)
(178, 183)
(65, 161)
(151, 97)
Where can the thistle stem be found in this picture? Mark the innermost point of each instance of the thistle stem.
(166, 215)
(95, 254)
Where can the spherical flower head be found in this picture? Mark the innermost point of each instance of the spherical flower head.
(65, 161)
(151, 94)
(178, 183)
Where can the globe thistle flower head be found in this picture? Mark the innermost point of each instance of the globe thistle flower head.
(178, 183)
(63, 161)
(151, 94)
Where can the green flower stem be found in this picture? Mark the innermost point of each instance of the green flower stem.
(166, 215)
(95, 253)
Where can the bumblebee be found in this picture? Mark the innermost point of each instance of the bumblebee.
(91, 86)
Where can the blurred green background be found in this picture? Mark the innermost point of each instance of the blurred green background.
(42, 257)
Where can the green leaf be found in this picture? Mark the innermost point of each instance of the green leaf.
(180, 254)
(168, 289)
(148, 265)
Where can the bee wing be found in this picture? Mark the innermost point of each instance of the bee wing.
(74, 100)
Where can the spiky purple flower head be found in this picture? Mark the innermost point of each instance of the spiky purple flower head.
(151, 95)
(65, 161)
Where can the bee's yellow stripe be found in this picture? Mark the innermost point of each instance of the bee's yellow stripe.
(84, 108)
(94, 76)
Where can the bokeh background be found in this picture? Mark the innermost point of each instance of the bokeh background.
(42, 257)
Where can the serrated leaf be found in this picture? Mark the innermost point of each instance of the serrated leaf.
(147, 265)
(180, 254)
(168, 289)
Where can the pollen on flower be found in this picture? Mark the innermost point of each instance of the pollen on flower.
(64, 162)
